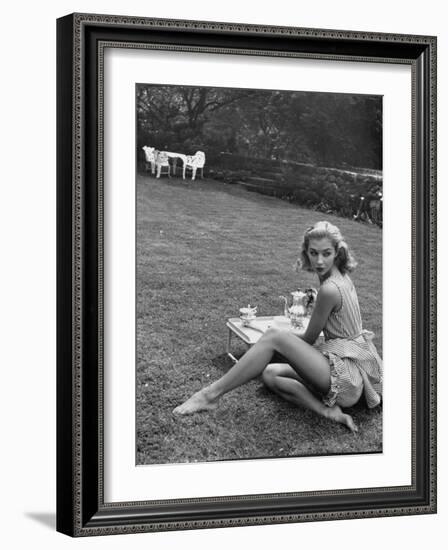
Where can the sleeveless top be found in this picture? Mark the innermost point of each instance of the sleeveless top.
(349, 348)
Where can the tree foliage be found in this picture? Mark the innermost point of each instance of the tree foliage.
(326, 129)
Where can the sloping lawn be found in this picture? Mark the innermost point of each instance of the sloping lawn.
(204, 249)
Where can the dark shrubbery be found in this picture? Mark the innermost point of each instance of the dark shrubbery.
(328, 190)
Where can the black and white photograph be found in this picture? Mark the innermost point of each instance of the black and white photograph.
(258, 273)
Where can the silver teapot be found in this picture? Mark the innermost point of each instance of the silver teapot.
(302, 306)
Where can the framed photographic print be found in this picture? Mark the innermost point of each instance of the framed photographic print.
(246, 274)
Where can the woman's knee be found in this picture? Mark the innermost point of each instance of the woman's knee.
(269, 375)
(273, 336)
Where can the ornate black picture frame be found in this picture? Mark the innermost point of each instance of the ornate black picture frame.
(81, 508)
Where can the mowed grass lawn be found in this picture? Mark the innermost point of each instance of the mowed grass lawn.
(204, 249)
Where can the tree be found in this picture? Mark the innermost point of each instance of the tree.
(326, 129)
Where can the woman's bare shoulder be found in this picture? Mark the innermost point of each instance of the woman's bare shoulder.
(328, 289)
(329, 292)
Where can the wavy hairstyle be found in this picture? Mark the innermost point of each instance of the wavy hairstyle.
(344, 259)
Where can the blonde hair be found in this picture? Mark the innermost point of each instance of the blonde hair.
(344, 259)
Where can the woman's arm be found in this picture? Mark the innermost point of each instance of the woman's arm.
(328, 299)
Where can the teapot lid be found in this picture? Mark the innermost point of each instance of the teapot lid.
(298, 292)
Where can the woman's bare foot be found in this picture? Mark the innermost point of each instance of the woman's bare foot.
(335, 413)
(199, 401)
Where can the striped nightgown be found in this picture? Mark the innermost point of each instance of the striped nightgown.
(355, 366)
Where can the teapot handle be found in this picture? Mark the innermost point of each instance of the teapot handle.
(285, 306)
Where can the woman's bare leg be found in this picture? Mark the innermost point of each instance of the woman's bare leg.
(284, 381)
(308, 362)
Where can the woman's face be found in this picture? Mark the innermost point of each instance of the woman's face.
(321, 254)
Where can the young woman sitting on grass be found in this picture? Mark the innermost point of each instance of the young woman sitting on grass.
(324, 377)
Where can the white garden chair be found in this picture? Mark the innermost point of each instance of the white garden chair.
(162, 163)
(194, 163)
(150, 157)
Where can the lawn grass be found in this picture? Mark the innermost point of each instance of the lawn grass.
(204, 249)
